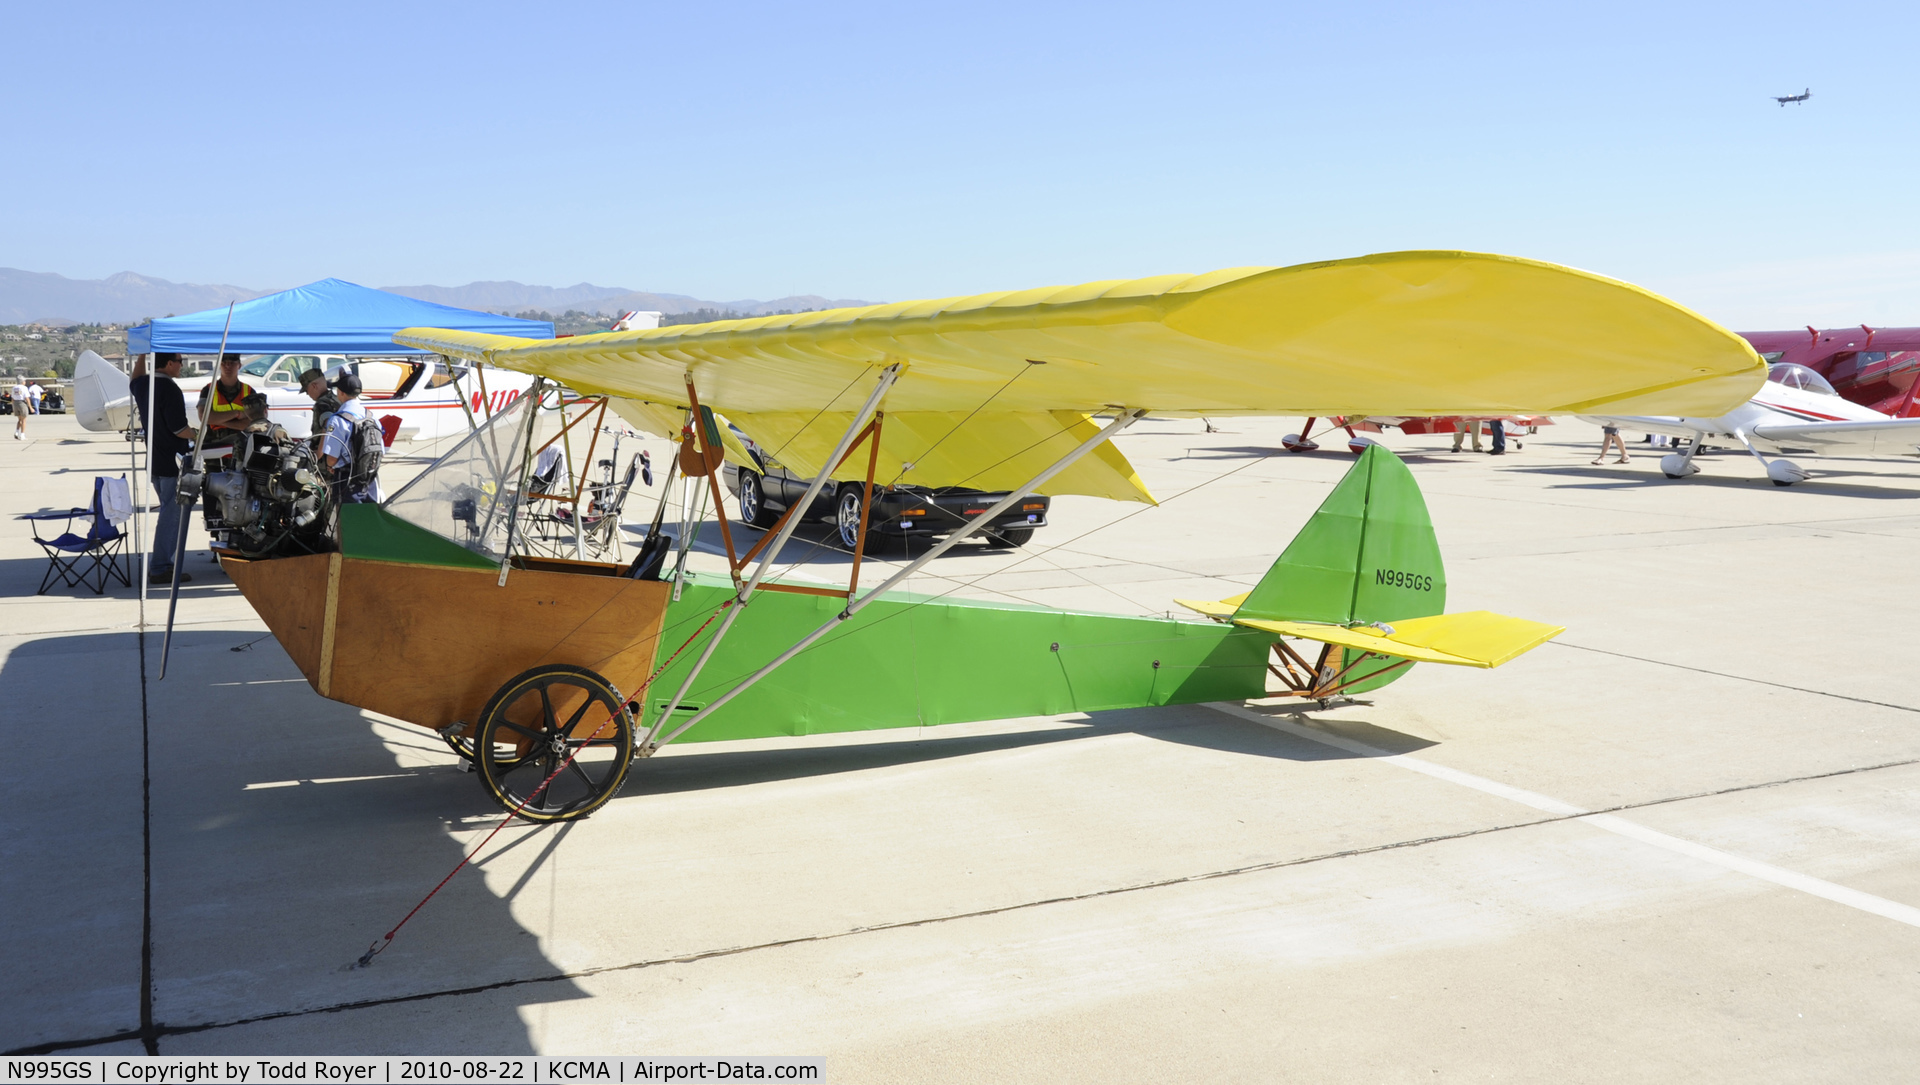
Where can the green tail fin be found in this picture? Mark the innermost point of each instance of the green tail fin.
(1367, 555)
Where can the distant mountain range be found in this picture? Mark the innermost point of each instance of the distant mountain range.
(45, 298)
(587, 298)
(42, 297)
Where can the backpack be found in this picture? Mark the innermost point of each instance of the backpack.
(365, 445)
(369, 444)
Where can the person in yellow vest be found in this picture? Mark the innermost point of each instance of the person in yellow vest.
(228, 396)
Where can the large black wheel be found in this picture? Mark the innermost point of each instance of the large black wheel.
(554, 743)
(1008, 536)
(753, 501)
(846, 517)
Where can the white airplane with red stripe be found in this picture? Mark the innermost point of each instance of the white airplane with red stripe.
(1796, 411)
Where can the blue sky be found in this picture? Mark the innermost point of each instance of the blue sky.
(899, 151)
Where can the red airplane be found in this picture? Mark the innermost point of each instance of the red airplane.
(1874, 367)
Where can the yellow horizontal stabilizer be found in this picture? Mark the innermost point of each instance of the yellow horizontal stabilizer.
(1222, 609)
(1477, 638)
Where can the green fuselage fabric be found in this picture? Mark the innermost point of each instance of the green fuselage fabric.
(905, 661)
(1368, 554)
(371, 532)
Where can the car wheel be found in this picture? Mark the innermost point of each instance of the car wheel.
(753, 501)
(846, 516)
(1008, 537)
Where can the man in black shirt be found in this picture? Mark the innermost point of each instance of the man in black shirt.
(169, 438)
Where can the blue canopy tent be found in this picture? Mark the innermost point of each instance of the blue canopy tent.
(328, 317)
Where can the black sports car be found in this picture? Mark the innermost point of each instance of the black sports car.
(898, 512)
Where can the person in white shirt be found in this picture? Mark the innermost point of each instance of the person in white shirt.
(337, 446)
(20, 399)
(34, 393)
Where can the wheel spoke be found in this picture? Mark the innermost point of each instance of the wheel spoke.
(510, 725)
(577, 716)
(546, 705)
(584, 778)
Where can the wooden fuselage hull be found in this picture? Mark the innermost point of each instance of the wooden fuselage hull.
(430, 644)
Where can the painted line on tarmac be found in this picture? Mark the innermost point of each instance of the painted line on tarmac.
(1736, 677)
(1839, 894)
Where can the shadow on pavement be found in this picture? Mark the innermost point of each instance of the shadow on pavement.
(286, 836)
(1611, 478)
(695, 770)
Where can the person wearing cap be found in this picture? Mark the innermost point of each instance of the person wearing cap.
(314, 384)
(337, 446)
(228, 395)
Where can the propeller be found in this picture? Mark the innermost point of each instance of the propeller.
(189, 489)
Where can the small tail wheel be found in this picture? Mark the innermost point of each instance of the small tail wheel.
(554, 744)
(459, 743)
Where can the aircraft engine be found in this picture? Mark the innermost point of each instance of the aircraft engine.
(275, 501)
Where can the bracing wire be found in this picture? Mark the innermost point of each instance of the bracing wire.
(924, 453)
(816, 415)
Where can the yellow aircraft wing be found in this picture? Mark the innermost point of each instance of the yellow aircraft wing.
(1017, 375)
(1476, 638)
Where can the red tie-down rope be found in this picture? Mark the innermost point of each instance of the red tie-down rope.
(379, 945)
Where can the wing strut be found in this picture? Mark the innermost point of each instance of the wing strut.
(854, 430)
(1113, 429)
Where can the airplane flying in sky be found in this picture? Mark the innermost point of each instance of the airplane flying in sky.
(1795, 411)
(1794, 98)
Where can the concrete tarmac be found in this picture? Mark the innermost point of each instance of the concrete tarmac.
(1683, 840)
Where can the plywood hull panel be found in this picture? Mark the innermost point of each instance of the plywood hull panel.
(290, 595)
(429, 644)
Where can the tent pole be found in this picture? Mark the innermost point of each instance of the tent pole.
(1113, 429)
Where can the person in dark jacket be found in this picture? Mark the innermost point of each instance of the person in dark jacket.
(314, 384)
(169, 438)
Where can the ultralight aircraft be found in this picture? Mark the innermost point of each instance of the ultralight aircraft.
(553, 675)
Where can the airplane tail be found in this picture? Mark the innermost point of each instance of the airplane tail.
(1367, 554)
(1365, 576)
(101, 398)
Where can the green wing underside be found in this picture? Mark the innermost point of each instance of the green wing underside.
(906, 662)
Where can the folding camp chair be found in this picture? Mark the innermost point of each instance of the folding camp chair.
(88, 560)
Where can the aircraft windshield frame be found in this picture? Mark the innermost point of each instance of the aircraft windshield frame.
(1792, 375)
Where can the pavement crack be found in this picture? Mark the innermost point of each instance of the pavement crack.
(1735, 677)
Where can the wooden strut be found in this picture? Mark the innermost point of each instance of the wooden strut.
(870, 433)
(695, 433)
(1314, 686)
(574, 497)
